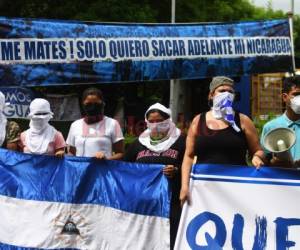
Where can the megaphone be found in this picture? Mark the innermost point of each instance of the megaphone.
(278, 141)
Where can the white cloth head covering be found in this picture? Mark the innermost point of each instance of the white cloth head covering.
(40, 132)
(3, 120)
(170, 138)
(39, 105)
(160, 107)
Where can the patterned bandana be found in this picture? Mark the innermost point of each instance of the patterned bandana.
(222, 109)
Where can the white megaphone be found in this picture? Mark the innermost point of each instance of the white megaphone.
(279, 141)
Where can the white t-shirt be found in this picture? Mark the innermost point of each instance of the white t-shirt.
(91, 138)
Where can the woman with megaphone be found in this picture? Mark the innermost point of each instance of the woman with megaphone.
(221, 135)
(285, 129)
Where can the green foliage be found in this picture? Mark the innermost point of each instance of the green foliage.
(259, 122)
(138, 10)
(128, 139)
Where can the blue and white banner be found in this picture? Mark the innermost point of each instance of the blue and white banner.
(44, 52)
(241, 208)
(18, 100)
(81, 203)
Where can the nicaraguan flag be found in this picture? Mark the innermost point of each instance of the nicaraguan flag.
(81, 203)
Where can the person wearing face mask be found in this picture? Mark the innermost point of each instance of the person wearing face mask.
(289, 119)
(95, 135)
(41, 137)
(221, 135)
(9, 130)
(162, 143)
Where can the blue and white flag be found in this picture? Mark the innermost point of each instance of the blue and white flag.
(50, 52)
(241, 208)
(81, 203)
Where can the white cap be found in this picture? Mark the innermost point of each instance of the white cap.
(39, 105)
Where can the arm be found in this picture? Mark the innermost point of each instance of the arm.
(131, 152)
(71, 150)
(188, 160)
(117, 143)
(268, 155)
(13, 136)
(118, 149)
(255, 150)
(174, 171)
(13, 146)
(60, 152)
(60, 144)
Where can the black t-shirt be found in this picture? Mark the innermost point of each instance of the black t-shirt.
(137, 152)
(224, 146)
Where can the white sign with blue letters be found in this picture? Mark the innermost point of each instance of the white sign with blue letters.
(241, 208)
(18, 101)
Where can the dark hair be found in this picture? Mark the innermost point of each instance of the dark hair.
(163, 114)
(289, 83)
(92, 91)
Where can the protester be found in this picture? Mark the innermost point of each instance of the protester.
(162, 143)
(9, 130)
(221, 135)
(289, 119)
(41, 137)
(95, 135)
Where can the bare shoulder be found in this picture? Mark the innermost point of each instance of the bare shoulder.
(246, 122)
(195, 122)
(194, 126)
(245, 118)
(196, 119)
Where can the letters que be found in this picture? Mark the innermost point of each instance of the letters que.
(217, 241)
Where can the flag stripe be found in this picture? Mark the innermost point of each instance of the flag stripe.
(245, 171)
(135, 188)
(28, 223)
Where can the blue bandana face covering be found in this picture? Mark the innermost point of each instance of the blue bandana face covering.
(222, 109)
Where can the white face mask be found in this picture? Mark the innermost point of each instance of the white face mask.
(39, 122)
(159, 130)
(295, 104)
(159, 127)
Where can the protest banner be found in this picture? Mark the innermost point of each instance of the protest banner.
(51, 52)
(241, 208)
(18, 100)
